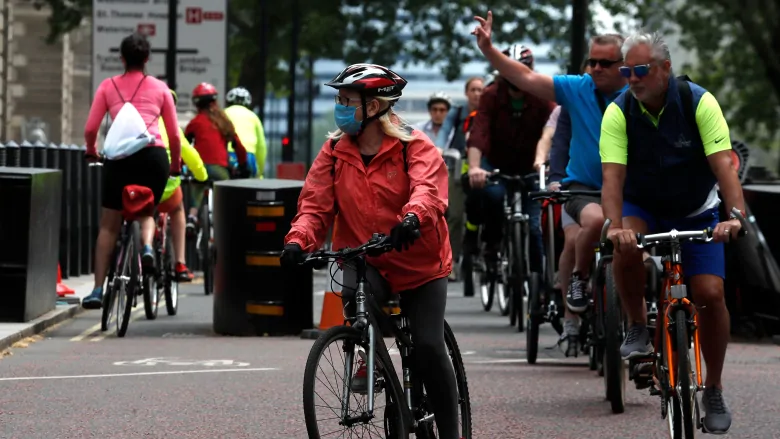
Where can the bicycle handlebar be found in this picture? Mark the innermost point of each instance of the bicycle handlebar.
(524, 180)
(538, 195)
(647, 241)
(375, 246)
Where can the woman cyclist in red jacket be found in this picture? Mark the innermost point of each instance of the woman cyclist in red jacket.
(380, 187)
(209, 132)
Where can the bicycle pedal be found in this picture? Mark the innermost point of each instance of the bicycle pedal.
(654, 391)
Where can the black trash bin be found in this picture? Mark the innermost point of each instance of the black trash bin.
(29, 230)
(253, 295)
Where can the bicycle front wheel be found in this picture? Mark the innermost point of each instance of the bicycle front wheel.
(326, 387)
(464, 401)
(685, 387)
(614, 369)
(126, 289)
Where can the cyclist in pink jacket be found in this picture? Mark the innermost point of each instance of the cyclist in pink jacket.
(148, 167)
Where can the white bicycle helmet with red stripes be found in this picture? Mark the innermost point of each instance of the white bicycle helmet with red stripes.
(370, 80)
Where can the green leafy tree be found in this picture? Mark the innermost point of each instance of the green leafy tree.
(737, 44)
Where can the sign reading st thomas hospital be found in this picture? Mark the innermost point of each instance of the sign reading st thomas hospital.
(201, 40)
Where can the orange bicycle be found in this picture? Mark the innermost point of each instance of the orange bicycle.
(668, 371)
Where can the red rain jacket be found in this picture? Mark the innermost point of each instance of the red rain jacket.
(373, 199)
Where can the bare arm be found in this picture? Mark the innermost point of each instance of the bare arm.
(614, 176)
(520, 75)
(474, 158)
(544, 145)
(728, 180)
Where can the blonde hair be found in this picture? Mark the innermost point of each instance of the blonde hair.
(393, 125)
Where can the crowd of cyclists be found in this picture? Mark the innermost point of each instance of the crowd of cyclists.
(619, 127)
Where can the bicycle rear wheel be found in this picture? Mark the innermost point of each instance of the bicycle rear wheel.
(126, 287)
(204, 248)
(170, 284)
(534, 318)
(685, 385)
(390, 424)
(109, 296)
(614, 369)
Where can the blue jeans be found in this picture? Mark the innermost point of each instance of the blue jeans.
(485, 206)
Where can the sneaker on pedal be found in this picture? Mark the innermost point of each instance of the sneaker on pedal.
(94, 300)
(192, 225)
(572, 331)
(360, 378)
(147, 259)
(637, 343)
(717, 416)
(183, 274)
(576, 296)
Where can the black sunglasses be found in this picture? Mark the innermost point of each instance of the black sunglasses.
(604, 63)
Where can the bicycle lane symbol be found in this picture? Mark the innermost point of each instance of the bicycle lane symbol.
(181, 362)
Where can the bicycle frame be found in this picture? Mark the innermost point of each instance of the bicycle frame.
(366, 306)
(673, 297)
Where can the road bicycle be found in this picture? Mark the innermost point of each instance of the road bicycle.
(406, 408)
(164, 276)
(668, 371)
(504, 275)
(546, 303)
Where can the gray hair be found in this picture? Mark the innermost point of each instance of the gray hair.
(655, 40)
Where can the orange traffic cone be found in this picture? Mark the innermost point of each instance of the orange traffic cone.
(62, 289)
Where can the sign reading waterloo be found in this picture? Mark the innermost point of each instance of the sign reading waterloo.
(201, 40)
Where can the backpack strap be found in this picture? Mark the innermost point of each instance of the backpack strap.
(686, 99)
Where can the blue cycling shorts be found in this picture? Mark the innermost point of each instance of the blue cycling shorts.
(251, 161)
(697, 257)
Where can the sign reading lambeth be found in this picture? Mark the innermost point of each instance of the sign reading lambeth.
(201, 40)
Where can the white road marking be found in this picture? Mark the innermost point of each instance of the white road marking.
(523, 360)
(180, 362)
(113, 375)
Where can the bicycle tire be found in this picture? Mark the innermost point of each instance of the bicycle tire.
(204, 249)
(486, 291)
(467, 268)
(170, 284)
(597, 346)
(673, 409)
(108, 296)
(518, 269)
(687, 396)
(464, 400)
(614, 369)
(151, 296)
(309, 379)
(132, 263)
(534, 318)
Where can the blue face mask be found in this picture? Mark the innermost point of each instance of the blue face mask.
(345, 119)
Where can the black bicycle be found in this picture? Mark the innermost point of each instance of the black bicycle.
(204, 235)
(545, 302)
(504, 275)
(163, 281)
(405, 409)
(124, 275)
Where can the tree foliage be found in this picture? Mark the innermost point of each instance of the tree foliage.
(737, 44)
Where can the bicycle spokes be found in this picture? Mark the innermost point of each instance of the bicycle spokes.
(342, 384)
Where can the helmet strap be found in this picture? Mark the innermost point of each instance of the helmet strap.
(366, 118)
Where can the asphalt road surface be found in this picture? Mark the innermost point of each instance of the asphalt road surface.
(174, 378)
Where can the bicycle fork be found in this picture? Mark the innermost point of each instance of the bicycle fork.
(360, 323)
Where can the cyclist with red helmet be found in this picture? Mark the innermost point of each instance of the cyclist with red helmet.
(380, 175)
(210, 132)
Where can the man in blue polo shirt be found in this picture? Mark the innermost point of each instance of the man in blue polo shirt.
(585, 97)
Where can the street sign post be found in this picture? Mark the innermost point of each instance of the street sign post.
(201, 36)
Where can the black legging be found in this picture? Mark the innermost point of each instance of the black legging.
(424, 306)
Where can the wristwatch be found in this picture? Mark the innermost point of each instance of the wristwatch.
(732, 216)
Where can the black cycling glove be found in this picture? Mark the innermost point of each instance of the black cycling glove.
(291, 256)
(405, 233)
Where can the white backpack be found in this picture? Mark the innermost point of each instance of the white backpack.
(128, 133)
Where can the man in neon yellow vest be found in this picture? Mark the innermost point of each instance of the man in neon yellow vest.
(249, 129)
(171, 201)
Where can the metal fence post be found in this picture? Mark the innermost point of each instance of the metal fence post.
(75, 210)
(26, 150)
(13, 157)
(87, 205)
(39, 155)
(2, 155)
